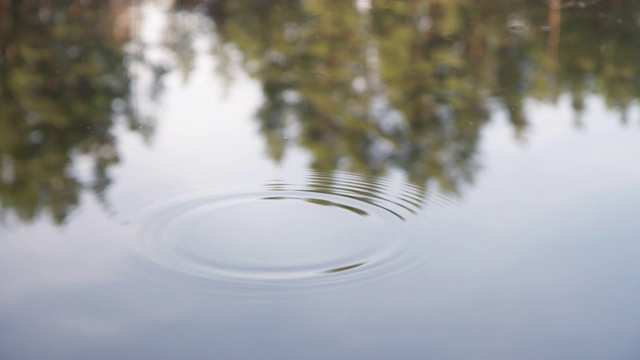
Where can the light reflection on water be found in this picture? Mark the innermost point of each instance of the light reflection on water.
(425, 179)
(294, 233)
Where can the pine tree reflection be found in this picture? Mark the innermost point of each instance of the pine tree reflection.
(410, 85)
(62, 83)
(368, 88)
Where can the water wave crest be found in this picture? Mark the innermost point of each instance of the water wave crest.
(325, 228)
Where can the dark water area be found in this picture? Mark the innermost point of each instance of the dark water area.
(319, 179)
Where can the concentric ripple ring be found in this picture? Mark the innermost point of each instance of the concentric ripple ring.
(325, 227)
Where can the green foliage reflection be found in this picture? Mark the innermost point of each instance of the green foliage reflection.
(62, 81)
(363, 86)
(409, 85)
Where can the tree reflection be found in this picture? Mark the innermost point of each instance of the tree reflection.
(409, 85)
(364, 86)
(62, 83)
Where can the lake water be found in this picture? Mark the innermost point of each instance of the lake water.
(320, 180)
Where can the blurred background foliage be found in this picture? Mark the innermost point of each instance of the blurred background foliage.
(62, 80)
(373, 85)
(365, 86)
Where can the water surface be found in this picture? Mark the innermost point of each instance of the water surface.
(290, 179)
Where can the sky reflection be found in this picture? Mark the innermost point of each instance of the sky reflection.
(505, 136)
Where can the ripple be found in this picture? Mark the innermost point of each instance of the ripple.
(327, 227)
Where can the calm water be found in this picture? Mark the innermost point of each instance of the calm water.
(320, 180)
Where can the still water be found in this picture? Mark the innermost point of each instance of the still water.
(320, 180)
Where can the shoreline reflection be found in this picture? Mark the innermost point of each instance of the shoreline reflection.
(404, 87)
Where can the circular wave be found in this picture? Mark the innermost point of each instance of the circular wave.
(328, 227)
